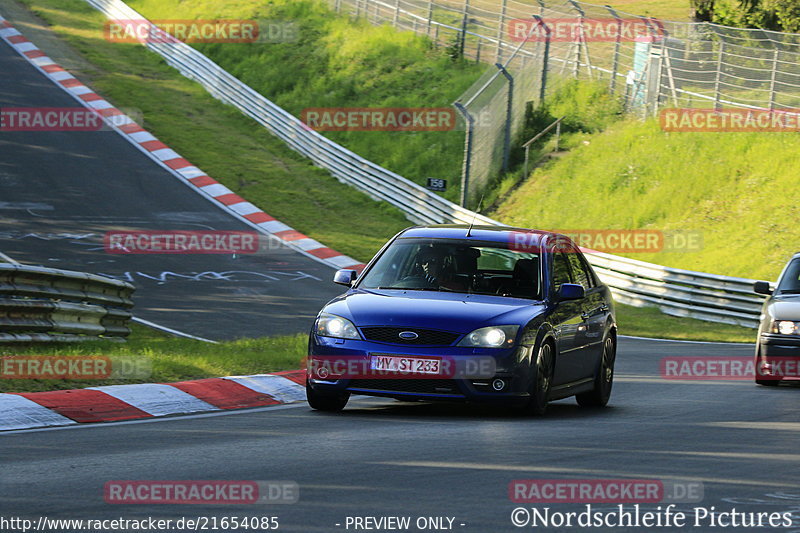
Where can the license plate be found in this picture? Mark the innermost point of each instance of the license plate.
(406, 364)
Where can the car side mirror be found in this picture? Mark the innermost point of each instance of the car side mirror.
(762, 287)
(571, 291)
(345, 277)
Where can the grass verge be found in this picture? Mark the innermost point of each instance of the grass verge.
(726, 189)
(650, 322)
(173, 358)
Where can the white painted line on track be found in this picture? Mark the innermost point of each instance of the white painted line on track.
(4, 257)
(686, 342)
(170, 330)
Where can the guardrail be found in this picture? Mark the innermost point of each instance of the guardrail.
(675, 291)
(44, 304)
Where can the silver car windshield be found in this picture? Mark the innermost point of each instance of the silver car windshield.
(456, 266)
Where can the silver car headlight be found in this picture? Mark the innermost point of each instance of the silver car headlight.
(785, 327)
(491, 337)
(329, 325)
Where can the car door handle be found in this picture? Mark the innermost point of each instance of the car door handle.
(598, 310)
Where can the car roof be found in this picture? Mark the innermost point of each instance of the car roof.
(477, 233)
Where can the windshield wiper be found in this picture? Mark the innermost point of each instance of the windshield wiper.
(790, 291)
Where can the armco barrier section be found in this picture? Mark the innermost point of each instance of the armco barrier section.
(676, 292)
(44, 304)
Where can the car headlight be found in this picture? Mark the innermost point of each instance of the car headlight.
(785, 327)
(328, 325)
(491, 337)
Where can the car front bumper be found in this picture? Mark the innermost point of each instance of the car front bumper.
(349, 358)
(778, 357)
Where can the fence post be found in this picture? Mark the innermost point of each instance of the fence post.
(772, 79)
(558, 135)
(478, 52)
(615, 61)
(468, 140)
(509, 111)
(396, 13)
(500, 30)
(652, 88)
(430, 18)
(719, 73)
(580, 41)
(337, 6)
(464, 20)
(545, 57)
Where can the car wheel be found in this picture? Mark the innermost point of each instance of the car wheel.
(542, 380)
(326, 401)
(764, 382)
(603, 381)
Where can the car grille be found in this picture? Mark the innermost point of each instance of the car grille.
(421, 386)
(425, 336)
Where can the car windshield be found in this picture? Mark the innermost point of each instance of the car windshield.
(456, 266)
(790, 282)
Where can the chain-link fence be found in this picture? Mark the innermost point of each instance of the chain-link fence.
(649, 63)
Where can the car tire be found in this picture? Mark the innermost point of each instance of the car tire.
(542, 380)
(604, 380)
(321, 401)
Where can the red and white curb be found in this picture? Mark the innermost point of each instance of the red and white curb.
(171, 160)
(113, 403)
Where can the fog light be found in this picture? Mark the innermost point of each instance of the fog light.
(498, 385)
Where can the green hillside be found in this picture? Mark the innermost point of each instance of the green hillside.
(738, 190)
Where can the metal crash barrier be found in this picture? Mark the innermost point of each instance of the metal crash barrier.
(43, 304)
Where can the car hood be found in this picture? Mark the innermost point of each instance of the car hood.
(785, 307)
(434, 310)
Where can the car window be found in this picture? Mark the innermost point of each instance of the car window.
(790, 281)
(579, 274)
(456, 265)
(561, 273)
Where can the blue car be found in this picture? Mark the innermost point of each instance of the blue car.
(460, 313)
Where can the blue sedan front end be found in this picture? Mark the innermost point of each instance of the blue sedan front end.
(441, 323)
(465, 314)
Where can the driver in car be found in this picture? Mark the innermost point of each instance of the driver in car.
(437, 269)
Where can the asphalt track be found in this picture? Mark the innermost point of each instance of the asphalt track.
(387, 458)
(60, 192)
